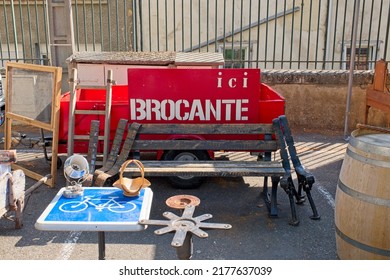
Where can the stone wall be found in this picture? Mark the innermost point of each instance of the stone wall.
(318, 99)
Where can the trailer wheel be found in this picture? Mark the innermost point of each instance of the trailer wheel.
(186, 182)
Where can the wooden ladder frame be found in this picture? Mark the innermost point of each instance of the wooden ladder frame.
(74, 86)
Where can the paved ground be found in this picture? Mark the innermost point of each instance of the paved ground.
(235, 201)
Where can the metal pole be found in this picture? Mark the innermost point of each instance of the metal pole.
(351, 67)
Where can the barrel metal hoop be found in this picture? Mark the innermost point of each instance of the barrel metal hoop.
(381, 149)
(362, 246)
(362, 196)
(380, 163)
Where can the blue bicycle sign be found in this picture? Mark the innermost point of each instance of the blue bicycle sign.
(110, 203)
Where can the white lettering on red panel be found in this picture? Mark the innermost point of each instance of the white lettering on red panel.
(189, 110)
(232, 82)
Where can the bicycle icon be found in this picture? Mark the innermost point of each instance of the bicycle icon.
(106, 203)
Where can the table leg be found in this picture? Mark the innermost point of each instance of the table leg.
(102, 245)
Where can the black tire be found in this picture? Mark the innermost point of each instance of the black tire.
(186, 182)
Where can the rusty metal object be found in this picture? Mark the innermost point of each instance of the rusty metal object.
(184, 227)
(181, 201)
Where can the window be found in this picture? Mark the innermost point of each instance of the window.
(362, 58)
(236, 57)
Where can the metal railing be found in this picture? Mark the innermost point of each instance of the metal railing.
(266, 34)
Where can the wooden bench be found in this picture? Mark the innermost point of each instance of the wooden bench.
(187, 158)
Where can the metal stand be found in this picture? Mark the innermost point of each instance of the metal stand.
(185, 226)
(102, 245)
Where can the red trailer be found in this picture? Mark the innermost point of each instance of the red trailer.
(155, 95)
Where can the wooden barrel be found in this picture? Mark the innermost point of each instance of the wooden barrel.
(362, 210)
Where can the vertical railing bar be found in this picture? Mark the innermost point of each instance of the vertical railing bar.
(379, 30)
(275, 33)
(309, 35)
(326, 41)
(140, 23)
(77, 32)
(283, 32)
(22, 31)
(37, 25)
(191, 29)
(335, 33)
(241, 19)
(266, 37)
(353, 43)
(208, 25)
(117, 25)
(369, 35)
(318, 33)
(361, 33)
(109, 25)
(85, 26)
(45, 24)
(224, 28)
(174, 24)
(250, 35)
(126, 42)
(6, 30)
(232, 33)
(387, 34)
(292, 35)
(300, 35)
(343, 36)
(199, 24)
(150, 26)
(30, 33)
(216, 27)
(182, 26)
(93, 27)
(166, 25)
(258, 36)
(14, 30)
(101, 25)
(158, 25)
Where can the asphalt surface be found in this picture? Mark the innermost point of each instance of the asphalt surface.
(235, 201)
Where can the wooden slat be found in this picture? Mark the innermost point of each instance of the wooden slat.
(380, 76)
(208, 168)
(256, 129)
(90, 112)
(86, 137)
(215, 145)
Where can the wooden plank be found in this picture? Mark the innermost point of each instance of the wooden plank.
(377, 99)
(100, 177)
(380, 76)
(206, 129)
(90, 112)
(92, 145)
(216, 145)
(208, 168)
(116, 145)
(107, 121)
